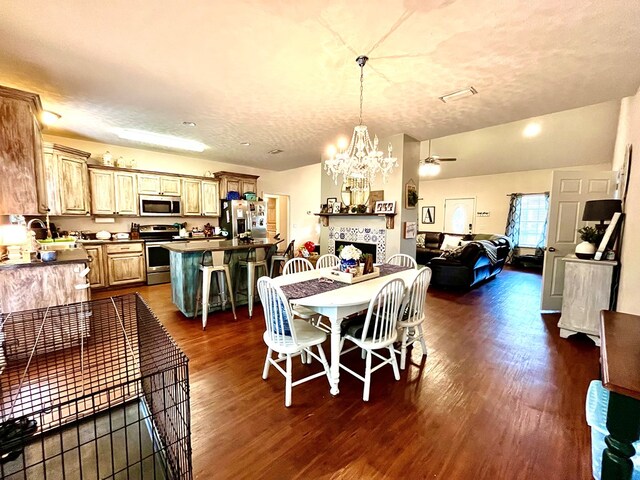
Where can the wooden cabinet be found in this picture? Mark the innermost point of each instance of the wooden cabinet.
(125, 264)
(210, 198)
(97, 277)
(66, 180)
(236, 182)
(113, 192)
(150, 184)
(102, 192)
(20, 153)
(191, 197)
(126, 193)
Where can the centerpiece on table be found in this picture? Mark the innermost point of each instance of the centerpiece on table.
(349, 269)
(350, 259)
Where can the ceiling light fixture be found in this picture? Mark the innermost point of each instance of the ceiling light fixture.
(161, 140)
(533, 129)
(275, 151)
(430, 166)
(49, 118)
(465, 92)
(189, 124)
(361, 158)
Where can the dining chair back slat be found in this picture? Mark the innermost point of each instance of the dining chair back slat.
(277, 314)
(326, 261)
(413, 315)
(297, 265)
(379, 327)
(403, 260)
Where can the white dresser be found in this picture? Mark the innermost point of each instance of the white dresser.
(587, 290)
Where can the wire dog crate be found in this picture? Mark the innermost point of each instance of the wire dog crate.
(95, 390)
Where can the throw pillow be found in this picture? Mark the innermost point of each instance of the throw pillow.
(420, 240)
(450, 242)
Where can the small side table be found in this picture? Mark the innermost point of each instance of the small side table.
(586, 291)
(620, 359)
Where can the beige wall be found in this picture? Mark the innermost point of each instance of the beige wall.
(302, 185)
(629, 133)
(490, 192)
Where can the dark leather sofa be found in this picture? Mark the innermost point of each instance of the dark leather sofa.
(465, 267)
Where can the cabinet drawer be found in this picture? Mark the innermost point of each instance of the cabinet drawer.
(124, 248)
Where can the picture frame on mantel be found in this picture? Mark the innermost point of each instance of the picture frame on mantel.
(385, 207)
(410, 195)
(375, 196)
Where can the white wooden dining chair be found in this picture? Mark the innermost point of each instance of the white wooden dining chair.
(326, 261)
(297, 265)
(288, 337)
(403, 260)
(378, 331)
(412, 316)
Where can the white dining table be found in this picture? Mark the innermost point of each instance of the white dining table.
(337, 304)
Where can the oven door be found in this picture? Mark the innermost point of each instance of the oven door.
(159, 206)
(157, 257)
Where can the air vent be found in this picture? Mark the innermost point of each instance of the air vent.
(465, 92)
(275, 151)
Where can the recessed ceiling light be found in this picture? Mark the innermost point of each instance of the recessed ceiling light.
(532, 130)
(465, 92)
(49, 118)
(245, 144)
(189, 124)
(275, 151)
(160, 139)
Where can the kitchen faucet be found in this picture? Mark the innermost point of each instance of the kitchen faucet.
(42, 225)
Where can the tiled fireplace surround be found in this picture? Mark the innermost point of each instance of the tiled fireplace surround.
(372, 236)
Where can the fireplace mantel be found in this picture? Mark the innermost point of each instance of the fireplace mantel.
(389, 217)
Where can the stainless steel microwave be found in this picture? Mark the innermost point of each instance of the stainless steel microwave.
(160, 206)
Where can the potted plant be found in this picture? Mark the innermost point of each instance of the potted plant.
(590, 238)
(349, 258)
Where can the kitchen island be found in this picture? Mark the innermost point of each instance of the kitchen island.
(185, 258)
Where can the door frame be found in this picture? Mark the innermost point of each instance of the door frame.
(278, 219)
(473, 213)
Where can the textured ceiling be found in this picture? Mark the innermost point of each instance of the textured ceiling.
(281, 74)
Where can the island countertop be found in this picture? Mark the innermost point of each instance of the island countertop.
(71, 255)
(218, 245)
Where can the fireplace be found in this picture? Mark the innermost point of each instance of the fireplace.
(369, 240)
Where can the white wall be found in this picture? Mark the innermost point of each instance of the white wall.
(490, 192)
(629, 133)
(302, 185)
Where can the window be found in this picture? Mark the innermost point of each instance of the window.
(533, 220)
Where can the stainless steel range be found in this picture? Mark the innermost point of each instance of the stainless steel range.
(158, 266)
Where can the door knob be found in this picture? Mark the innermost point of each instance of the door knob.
(551, 249)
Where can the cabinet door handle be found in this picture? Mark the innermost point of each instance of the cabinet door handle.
(551, 249)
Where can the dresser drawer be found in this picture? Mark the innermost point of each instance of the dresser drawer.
(125, 248)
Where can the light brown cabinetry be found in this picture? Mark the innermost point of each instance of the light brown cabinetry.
(97, 277)
(191, 197)
(125, 264)
(113, 192)
(151, 184)
(20, 153)
(65, 180)
(210, 198)
(236, 182)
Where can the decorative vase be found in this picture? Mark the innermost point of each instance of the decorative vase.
(346, 265)
(585, 250)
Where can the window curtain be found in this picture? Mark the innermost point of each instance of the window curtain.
(543, 238)
(513, 223)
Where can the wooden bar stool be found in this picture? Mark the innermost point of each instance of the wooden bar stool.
(223, 280)
(256, 259)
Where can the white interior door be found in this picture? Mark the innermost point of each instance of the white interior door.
(459, 215)
(569, 191)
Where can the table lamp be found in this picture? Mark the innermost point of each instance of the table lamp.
(13, 237)
(601, 211)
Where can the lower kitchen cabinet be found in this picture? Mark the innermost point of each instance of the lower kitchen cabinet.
(116, 264)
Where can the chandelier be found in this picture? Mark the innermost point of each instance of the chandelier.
(360, 159)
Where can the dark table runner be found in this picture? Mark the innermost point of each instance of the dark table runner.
(317, 285)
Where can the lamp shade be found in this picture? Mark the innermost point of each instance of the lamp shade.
(601, 210)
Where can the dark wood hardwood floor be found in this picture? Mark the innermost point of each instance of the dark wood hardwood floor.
(500, 396)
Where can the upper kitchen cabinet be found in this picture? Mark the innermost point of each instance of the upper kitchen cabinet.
(113, 192)
(236, 182)
(210, 198)
(191, 197)
(65, 180)
(20, 153)
(150, 184)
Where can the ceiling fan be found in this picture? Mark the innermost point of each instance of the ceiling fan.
(430, 166)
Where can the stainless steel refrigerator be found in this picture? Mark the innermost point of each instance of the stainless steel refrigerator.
(239, 216)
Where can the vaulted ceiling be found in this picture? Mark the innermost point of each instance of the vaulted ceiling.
(282, 74)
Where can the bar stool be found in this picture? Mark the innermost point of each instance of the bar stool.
(281, 257)
(223, 280)
(256, 259)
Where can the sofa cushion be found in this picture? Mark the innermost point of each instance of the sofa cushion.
(450, 242)
(432, 239)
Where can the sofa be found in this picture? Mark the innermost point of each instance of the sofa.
(464, 265)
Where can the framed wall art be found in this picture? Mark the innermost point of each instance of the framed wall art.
(429, 214)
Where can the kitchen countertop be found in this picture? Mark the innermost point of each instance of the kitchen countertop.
(71, 255)
(217, 245)
(100, 242)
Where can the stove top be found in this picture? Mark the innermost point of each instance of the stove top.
(158, 232)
